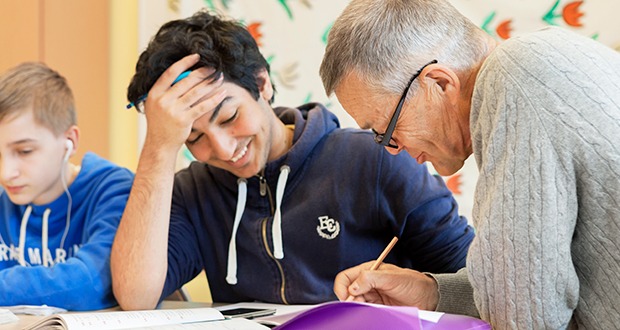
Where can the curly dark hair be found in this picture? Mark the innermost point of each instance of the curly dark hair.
(224, 45)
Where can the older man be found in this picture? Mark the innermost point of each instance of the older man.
(541, 114)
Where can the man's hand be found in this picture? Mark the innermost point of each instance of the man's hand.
(171, 110)
(389, 285)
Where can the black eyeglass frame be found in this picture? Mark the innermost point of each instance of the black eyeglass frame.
(385, 138)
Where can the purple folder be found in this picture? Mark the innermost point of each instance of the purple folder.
(353, 315)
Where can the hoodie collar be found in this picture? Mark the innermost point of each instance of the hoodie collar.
(312, 122)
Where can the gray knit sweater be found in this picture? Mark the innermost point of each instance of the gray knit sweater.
(545, 125)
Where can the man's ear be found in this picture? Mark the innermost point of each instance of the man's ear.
(265, 88)
(445, 78)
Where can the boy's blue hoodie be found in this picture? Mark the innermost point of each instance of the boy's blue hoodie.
(341, 198)
(75, 273)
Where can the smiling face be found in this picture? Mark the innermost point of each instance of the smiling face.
(31, 160)
(429, 127)
(242, 134)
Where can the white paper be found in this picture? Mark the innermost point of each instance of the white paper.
(232, 324)
(6, 316)
(429, 316)
(128, 319)
(43, 310)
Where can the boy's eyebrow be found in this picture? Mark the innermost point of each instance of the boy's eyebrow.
(22, 141)
(218, 108)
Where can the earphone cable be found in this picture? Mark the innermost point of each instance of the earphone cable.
(69, 204)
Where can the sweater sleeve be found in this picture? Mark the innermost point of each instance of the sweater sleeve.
(84, 281)
(456, 295)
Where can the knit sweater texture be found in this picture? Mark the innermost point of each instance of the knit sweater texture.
(545, 124)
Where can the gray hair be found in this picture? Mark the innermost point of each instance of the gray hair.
(386, 41)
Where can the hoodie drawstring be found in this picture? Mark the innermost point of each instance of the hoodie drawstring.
(22, 235)
(276, 228)
(21, 258)
(231, 275)
(44, 244)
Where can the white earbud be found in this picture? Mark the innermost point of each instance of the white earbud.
(69, 146)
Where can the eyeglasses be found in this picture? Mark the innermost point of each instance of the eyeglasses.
(386, 138)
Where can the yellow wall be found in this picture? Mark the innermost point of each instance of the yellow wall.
(198, 288)
(123, 57)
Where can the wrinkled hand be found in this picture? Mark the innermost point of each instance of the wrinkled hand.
(388, 285)
(171, 110)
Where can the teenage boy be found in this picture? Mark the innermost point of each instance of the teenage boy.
(279, 200)
(57, 219)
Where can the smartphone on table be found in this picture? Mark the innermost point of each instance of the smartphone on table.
(248, 313)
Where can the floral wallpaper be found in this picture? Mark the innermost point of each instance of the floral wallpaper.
(292, 36)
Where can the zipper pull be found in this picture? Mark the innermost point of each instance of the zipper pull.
(263, 185)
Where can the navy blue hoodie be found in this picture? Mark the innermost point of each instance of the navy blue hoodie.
(342, 198)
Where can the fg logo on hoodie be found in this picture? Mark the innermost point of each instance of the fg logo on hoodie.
(328, 228)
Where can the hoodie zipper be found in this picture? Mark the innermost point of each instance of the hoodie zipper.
(265, 191)
(282, 286)
(263, 186)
